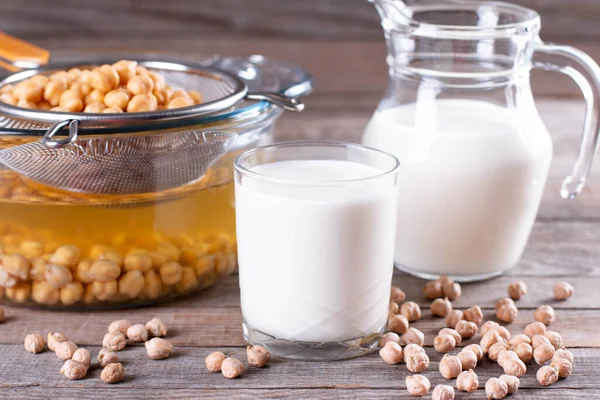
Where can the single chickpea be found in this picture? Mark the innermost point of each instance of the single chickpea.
(417, 362)
(83, 88)
(496, 389)
(162, 97)
(231, 368)
(393, 308)
(156, 327)
(117, 99)
(131, 284)
(451, 290)
(114, 341)
(563, 367)
(433, 290)
(411, 311)
(539, 340)
(214, 361)
(53, 91)
(6, 279)
(444, 343)
(94, 108)
(71, 100)
(547, 375)
(474, 314)
(74, 73)
(140, 84)
(512, 383)
(8, 98)
(535, 328)
(507, 313)
(100, 252)
(475, 348)
(489, 339)
(44, 105)
(65, 350)
(71, 293)
(563, 353)
(104, 79)
(397, 295)
(514, 367)
(413, 335)
(443, 392)
(142, 103)
(180, 94)
(125, 69)
(28, 90)
(543, 353)
(450, 366)
(504, 333)
(82, 356)
(43, 292)
(31, 248)
(85, 77)
(73, 370)
(34, 343)
(389, 337)
(466, 329)
(495, 350)
(398, 324)
(180, 102)
(518, 339)
(441, 307)
(58, 275)
(27, 104)
(555, 339)
(258, 356)
(468, 359)
(467, 381)
(417, 385)
(563, 290)
(158, 348)
(16, 265)
(196, 96)
(137, 333)
(55, 337)
(188, 280)
(171, 252)
(170, 272)
(544, 314)
(503, 301)
(488, 326)
(152, 285)
(516, 290)
(82, 271)
(453, 317)
(524, 351)
(452, 332)
(119, 326)
(105, 271)
(112, 110)
(113, 373)
(105, 290)
(106, 356)
(66, 255)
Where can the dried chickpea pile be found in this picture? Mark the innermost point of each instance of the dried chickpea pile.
(121, 87)
(512, 353)
(77, 361)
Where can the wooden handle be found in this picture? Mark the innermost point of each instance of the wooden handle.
(15, 50)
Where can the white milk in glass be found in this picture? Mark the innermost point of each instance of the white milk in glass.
(471, 182)
(316, 261)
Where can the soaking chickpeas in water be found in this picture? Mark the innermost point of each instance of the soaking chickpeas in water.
(121, 87)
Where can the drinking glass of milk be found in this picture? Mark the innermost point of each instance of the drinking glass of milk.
(460, 115)
(316, 223)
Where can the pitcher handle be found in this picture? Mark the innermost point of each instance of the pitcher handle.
(586, 73)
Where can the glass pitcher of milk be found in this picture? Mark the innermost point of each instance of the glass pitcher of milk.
(460, 115)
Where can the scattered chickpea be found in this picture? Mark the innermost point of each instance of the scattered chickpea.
(34, 343)
(413, 335)
(503, 332)
(106, 356)
(397, 295)
(158, 348)
(543, 353)
(512, 383)
(489, 339)
(488, 326)
(453, 317)
(555, 339)
(433, 290)
(74, 370)
(563, 290)
(441, 307)
(547, 375)
(563, 353)
(539, 340)
(518, 339)
(389, 337)
(411, 311)
(467, 381)
(450, 366)
(496, 389)
(524, 351)
(412, 349)
(82, 356)
(156, 327)
(495, 350)
(474, 314)
(535, 328)
(507, 313)
(113, 373)
(391, 353)
(468, 359)
(114, 341)
(466, 329)
(514, 367)
(214, 360)
(55, 337)
(231, 367)
(443, 392)
(120, 326)
(258, 356)
(452, 332)
(475, 348)
(544, 314)
(416, 361)
(517, 290)
(507, 355)
(444, 343)
(393, 308)
(451, 290)
(398, 324)
(137, 333)
(417, 385)
(503, 301)
(563, 367)
(65, 350)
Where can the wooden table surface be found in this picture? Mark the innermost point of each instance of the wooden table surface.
(563, 246)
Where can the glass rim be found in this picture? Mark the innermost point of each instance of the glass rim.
(238, 167)
(529, 24)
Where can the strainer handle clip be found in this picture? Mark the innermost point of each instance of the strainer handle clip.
(48, 139)
(286, 102)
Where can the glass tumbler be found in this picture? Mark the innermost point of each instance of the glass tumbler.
(316, 226)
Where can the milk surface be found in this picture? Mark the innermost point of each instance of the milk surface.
(315, 261)
(471, 180)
